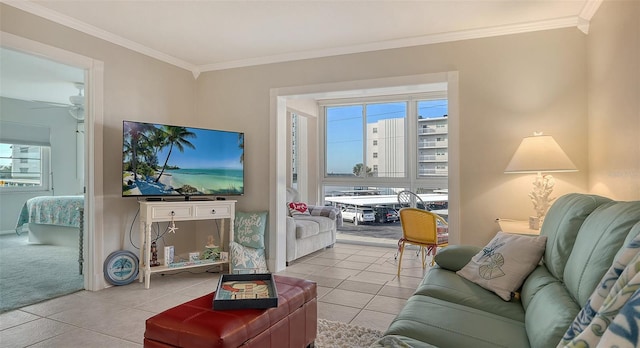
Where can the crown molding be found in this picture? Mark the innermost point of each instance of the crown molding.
(590, 7)
(83, 27)
(588, 11)
(565, 22)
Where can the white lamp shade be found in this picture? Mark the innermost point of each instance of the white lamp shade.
(539, 153)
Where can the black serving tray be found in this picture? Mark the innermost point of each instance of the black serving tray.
(243, 291)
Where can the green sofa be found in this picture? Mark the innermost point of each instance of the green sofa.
(584, 234)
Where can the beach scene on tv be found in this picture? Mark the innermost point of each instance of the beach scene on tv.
(161, 160)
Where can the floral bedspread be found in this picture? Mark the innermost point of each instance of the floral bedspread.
(51, 210)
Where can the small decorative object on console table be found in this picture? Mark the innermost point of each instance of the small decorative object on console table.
(242, 291)
(154, 255)
(211, 251)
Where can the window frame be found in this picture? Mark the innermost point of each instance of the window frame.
(412, 180)
(45, 173)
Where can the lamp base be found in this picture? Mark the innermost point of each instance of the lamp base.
(541, 196)
(534, 223)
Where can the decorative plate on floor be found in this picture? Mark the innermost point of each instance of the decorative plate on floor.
(121, 267)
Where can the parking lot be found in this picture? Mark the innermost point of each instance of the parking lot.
(391, 230)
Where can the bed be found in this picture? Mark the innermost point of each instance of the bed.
(55, 220)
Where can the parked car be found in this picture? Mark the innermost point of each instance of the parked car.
(361, 215)
(386, 214)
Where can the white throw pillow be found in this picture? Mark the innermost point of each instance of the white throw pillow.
(503, 264)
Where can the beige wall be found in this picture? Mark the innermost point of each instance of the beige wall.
(614, 100)
(510, 86)
(136, 87)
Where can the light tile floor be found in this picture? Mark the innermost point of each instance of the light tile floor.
(357, 284)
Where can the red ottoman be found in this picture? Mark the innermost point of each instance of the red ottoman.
(292, 324)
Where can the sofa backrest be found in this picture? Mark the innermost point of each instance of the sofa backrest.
(584, 234)
(599, 240)
(561, 225)
(549, 307)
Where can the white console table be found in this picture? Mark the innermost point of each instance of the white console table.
(164, 211)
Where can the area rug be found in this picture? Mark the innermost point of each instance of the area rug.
(31, 273)
(333, 334)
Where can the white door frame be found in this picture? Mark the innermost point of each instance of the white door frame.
(93, 173)
(278, 148)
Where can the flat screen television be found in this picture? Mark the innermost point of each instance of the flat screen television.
(160, 160)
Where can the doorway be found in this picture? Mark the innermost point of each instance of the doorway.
(89, 159)
(42, 152)
(280, 100)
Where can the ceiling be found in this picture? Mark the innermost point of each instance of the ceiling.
(31, 78)
(212, 35)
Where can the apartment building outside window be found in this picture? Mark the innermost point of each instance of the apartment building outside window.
(368, 145)
(23, 167)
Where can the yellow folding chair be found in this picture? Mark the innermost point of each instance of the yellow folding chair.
(420, 227)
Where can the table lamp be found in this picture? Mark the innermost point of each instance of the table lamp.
(537, 154)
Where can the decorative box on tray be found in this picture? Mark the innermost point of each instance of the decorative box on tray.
(243, 291)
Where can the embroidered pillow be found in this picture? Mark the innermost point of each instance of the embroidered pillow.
(503, 264)
(249, 229)
(247, 260)
(298, 208)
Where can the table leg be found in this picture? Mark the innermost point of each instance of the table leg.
(147, 257)
(141, 262)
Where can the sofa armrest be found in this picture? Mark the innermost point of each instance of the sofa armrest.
(327, 211)
(455, 257)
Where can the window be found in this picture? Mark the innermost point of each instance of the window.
(344, 140)
(349, 127)
(367, 144)
(23, 167)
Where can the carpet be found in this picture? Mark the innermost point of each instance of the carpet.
(31, 273)
(333, 334)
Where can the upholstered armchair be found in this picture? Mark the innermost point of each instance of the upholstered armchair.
(309, 227)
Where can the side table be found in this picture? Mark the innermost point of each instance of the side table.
(516, 226)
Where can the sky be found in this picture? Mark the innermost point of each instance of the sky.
(5, 153)
(213, 149)
(345, 129)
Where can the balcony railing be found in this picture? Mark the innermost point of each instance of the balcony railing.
(424, 172)
(424, 144)
(425, 158)
(433, 130)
